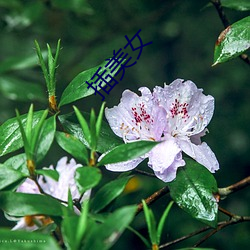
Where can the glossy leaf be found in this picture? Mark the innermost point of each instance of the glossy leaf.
(53, 174)
(16, 240)
(78, 89)
(87, 177)
(18, 162)
(127, 152)
(8, 176)
(10, 136)
(193, 191)
(241, 5)
(46, 137)
(107, 139)
(20, 204)
(233, 41)
(108, 193)
(19, 90)
(105, 235)
(73, 146)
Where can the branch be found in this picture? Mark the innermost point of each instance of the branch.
(235, 220)
(223, 192)
(226, 23)
(144, 173)
(152, 198)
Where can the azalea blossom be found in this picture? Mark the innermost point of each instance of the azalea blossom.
(58, 189)
(177, 115)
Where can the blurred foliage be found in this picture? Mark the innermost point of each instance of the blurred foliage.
(183, 34)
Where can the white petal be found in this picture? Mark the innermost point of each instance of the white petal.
(21, 225)
(201, 153)
(28, 186)
(124, 166)
(165, 158)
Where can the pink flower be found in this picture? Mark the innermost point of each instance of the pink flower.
(58, 189)
(177, 115)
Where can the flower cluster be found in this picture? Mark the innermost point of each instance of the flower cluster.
(58, 189)
(176, 115)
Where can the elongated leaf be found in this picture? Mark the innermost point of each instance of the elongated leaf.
(19, 90)
(8, 176)
(127, 152)
(20, 204)
(87, 177)
(109, 232)
(162, 221)
(16, 240)
(73, 146)
(78, 89)
(108, 193)
(10, 136)
(233, 41)
(107, 139)
(193, 191)
(53, 174)
(46, 137)
(241, 5)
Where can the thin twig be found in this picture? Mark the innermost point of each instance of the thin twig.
(226, 23)
(235, 220)
(224, 211)
(223, 192)
(152, 198)
(144, 173)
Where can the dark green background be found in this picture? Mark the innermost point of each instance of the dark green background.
(183, 35)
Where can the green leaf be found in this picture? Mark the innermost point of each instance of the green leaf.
(92, 127)
(46, 138)
(16, 240)
(78, 89)
(18, 162)
(241, 5)
(19, 90)
(108, 193)
(107, 139)
(127, 152)
(233, 41)
(99, 121)
(78, 6)
(8, 176)
(73, 146)
(69, 230)
(87, 177)
(19, 63)
(84, 125)
(20, 204)
(151, 223)
(105, 235)
(53, 174)
(10, 136)
(162, 221)
(195, 248)
(193, 191)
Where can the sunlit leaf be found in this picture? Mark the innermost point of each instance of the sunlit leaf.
(233, 41)
(193, 191)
